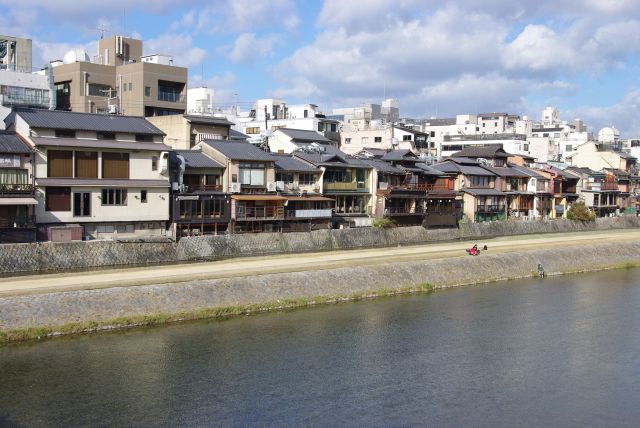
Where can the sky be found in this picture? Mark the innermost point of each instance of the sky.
(437, 58)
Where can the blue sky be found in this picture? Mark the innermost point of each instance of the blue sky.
(437, 58)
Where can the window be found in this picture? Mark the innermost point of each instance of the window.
(525, 147)
(252, 130)
(320, 127)
(115, 165)
(484, 125)
(306, 178)
(347, 140)
(546, 134)
(58, 199)
(213, 208)
(284, 177)
(130, 86)
(406, 138)
(568, 148)
(479, 181)
(377, 139)
(252, 174)
(306, 113)
(106, 135)
(59, 163)
(114, 196)
(334, 127)
(147, 91)
(432, 133)
(98, 90)
(364, 140)
(65, 133)
(86, 164)
(82, 204)
(144, 138)
(154, 163)
(556, 135)
(143, 196)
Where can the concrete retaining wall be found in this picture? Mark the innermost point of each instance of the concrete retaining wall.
(103, 305)
(51, 256)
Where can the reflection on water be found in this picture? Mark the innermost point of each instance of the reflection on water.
(561, 352)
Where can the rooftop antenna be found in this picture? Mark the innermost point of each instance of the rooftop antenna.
(103, 29)
(124, 21)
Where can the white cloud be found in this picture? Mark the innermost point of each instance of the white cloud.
(247, 47)
(237, 16)
(624, 115)
(180, 46)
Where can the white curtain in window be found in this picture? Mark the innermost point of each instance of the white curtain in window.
(13, 176)
(257, 177)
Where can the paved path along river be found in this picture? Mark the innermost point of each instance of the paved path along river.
(294, 262)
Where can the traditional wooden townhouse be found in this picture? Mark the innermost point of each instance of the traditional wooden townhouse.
(96, 176)
(627, 200)
(347, 180)
(513, 181)
(598, 190)
(17, 194)
(477, 196)
(299, 182)
(249, 175)
(563, 186)
(199, 204)
(414, 192)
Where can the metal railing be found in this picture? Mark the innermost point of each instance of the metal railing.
(172, 97)
(319, 213)
(8, 190)
(204, 188)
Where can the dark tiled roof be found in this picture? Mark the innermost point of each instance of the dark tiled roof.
(237, 135)
(483, 192)
(304, 135)
(449, 166)
(197, 159)
(507, 172)
(377, 153)
(236, 150)
(55, 119)
(289, 163)
(99, 144)
(584, 170)
(11, 143)
(489, 151)
(396, 155)
(624, 155)
(528, 172)
(209, 120)
(383, 166)
(428, 170)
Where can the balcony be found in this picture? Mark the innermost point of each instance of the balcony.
(259, 213)
(15, 190)
(602, 186)
(392, 211)
(490, 208)
(350, 186)
(319, 213)
(24, 100)
(172, 97)
(203, 188)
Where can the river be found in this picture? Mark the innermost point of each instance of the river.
(563, 351)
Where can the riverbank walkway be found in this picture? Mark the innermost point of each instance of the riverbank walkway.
(246, 266)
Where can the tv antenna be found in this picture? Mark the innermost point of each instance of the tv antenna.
(103, 29)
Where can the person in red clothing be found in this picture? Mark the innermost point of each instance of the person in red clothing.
(474, 250)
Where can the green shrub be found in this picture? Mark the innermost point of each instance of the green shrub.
(580, 212)
(383, 223)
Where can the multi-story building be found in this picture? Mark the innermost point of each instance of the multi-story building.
(15, 54)
(268, 115)
(185, 131)
(598, 189)
(596, 155)
(120, 80)
(17, 197)
(383, 137)
(96, 175)
(359, 117)
(19, 89)
(288, 140)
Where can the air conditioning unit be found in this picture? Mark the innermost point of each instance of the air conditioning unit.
(164, 162)
(113, 109)
(235, 188)
(280, 185)
(271, 186)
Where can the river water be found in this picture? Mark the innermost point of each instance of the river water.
(562, 351)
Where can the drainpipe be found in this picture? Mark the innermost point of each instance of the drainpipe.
(52, 88)
(85, 77)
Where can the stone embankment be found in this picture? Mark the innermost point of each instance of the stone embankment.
(38, 315)
(43, 257)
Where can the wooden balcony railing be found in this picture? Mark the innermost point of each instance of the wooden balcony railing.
(490, 208)
(403, 210)
(204, 188)
(360, 185)
(259, 213)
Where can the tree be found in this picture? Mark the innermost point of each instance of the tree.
(580, 212)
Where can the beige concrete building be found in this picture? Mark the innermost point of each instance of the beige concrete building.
(15, 54)
(185, 131)
(598, 156)
(120, 80)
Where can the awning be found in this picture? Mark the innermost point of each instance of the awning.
(308, 198)
(18, 201)
(258, 198)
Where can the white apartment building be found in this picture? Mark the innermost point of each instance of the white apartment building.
(200, 100)
(384, 137)
(271, 114)
(553, 139)
(362, 115)
(19, 89)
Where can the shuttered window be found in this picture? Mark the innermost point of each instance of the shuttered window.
(87, 164)
(115, 165)
(59, 163)
(58, 199)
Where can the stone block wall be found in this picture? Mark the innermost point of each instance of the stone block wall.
(52, 256)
